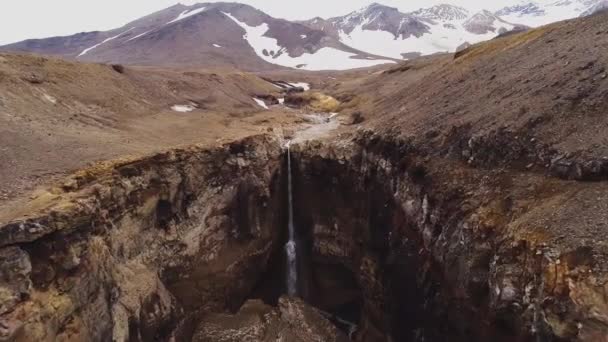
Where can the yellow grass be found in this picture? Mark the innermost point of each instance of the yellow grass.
(500, 45)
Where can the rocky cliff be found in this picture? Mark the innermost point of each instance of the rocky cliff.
(437, 249)
(127, 251)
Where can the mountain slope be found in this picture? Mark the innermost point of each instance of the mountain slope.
(210, 35)
(543, 12)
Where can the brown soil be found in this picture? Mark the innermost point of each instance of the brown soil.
(57, 116)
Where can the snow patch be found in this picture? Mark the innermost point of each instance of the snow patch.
(217, 46)
(260, 103)
(324, 59)
(85, 51)
(282, 100)
(303, 36)
(186, 14)
(305, 86)
(183, 108)
(139, 35)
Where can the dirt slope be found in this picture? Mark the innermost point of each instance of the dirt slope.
(57, 116)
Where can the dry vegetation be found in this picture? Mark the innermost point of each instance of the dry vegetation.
(313, 101)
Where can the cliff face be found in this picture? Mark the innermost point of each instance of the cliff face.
(128, 251)
(441, 249)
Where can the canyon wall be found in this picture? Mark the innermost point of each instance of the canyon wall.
(133, 250)
(183, 245)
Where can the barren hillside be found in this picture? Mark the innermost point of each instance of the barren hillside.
(545, 90)
(57, 116)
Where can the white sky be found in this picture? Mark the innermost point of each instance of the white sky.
(24, 19)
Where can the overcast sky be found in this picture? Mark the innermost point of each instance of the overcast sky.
(24, 19)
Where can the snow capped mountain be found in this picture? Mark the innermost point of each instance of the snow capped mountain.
(327, 57)
(376, 17)
(485, 22)
(601, 6)
(530, 9)
(442, 12)
(538, 13)
(237, 35)
(209, 34)
(386, 31)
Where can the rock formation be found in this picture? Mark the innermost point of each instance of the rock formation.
(126, 251)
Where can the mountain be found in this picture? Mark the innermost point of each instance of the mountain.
(530, 9)
(442, 12)
(386, 31)
(210, 35)
(485, 22)
(538, 13)
(240, 36)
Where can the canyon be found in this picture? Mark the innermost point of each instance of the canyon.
(189, 245)
(457, 197)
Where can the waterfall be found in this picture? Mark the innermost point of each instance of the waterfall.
(291, 246)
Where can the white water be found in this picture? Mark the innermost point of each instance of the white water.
(320, 125)
(291, 246)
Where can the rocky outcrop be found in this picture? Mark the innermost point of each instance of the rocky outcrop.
(292, 320)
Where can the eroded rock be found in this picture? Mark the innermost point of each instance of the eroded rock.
(15, 283)
(293, 320)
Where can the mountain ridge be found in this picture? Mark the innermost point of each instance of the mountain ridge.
(221, 34)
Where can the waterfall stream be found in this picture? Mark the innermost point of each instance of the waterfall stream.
(291, 246)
